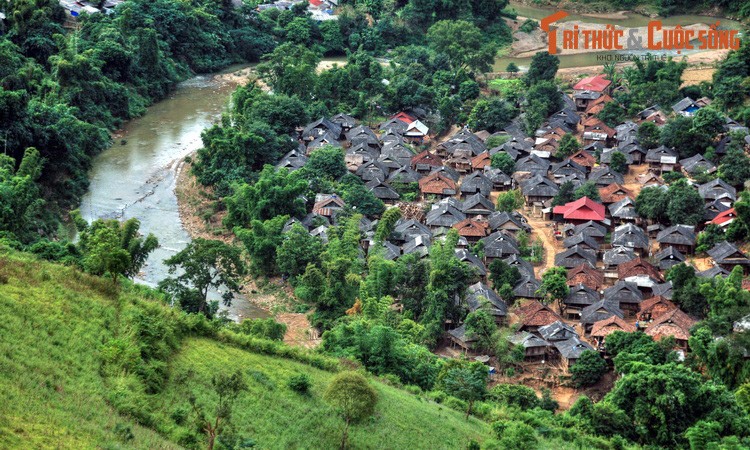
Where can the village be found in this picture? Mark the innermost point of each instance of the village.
(615, 260)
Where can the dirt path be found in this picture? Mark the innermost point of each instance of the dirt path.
(299, 332)
(542, 229)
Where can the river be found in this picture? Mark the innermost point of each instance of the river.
(590, 59)
(137, 179)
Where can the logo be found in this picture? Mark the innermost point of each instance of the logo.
(657, 37)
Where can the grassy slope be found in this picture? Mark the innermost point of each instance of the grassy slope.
(276, 417)
(53, 321)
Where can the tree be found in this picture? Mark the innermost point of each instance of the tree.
(554, 287)
(261, 241)
(710, 236)
(735, 166)
(504, 162)
(263, 328)
(612, 114)
(276, 193)
(652, 203)
(353, 397)
(512, 68)
(227, 389)
(685, 204)
(587, 189)
(619, 162)
(205, 264)
(298, 249)
(649, 135)
(543, 68)
(491, 114)
(327, 161)
(680, 134)
(588, 368)
(387, 224)
(568, 145)
(509, 201)
(464, 45)
(565, 195)
(515, 435)
(482, 327)
(502, 273)
(290, 69)
(109, 246)
(708, 122)
(466, 381)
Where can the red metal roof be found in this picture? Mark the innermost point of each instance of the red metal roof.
(596, 83)
(402, 116)
(582, 209)
(316, 2)
(724, 217)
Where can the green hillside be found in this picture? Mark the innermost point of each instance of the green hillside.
(68, 365)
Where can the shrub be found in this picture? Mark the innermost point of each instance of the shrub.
(300, 383)
(588, 369)
(455, 403)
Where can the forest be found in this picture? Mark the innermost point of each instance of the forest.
(64, 90)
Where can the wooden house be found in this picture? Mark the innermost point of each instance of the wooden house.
(584, 274)
(534, 347)
(535, 315)
(437, 184)
(472, 229)
(654, 307)
(681, 237)
(601, 310)
(579, 297)
(674, 323)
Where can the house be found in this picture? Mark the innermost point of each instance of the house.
(717, 189)
(499, 245)
(477, 205)
(568, 168)
(686, 107)
(724, 218)
(527, 288)
(579, 297)
(446, 171)
(596, 106)
(459, 338)
(603, 328)
(345, 121)
(582, 240)
(607, 153)
(325, 140)
(404, 175)
(382, 190)
(615, 192)
(418, 245)
(716, 207)
(327, 205)
(674, 323)
(616, 256)
(697, 164)
(585, 275)
(575, 256)
(601, 310)
(652, 114)
(514, 148)
(594, 130)
(444, 215)
(538, 190)
(583, 159)
(669, 257)
(727, 256)
(481, 161)
(405, 230)
(533, 164)
(631, 236)
(579, 211)
(571, 349)
(478, 294)
(475, 183)
(437, 184)
(500, 181)
(655, 306)
(320, 127)
(362, 135)
(463, 255)
(459, 161)
(596, 83)
(399, 153)
(604, 176)
(426, 162)
(662, 159)
(557, 331)
(415, 132)
(633, 151)
(394, 126)
(591, 229)
(534, 347)
(640, 272)
(584, 98)
(524, 267)
(372, 170)
(626, 295)
(681, 237)
(535, 315)
(293, 160)
(650, 179)
(623, 211)
(509, 222)
(472, 229)
(463, 139)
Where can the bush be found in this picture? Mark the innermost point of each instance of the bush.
(518, 395)
(588, 369)
(300, 383)
(455, 403)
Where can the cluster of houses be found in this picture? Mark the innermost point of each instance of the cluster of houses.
(320, 10)
(615, 260)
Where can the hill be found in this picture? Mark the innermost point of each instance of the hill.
(84, 364)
